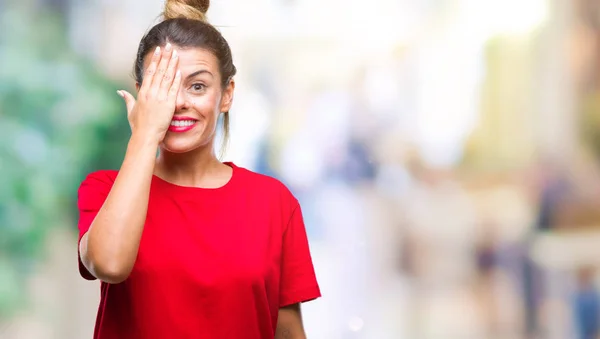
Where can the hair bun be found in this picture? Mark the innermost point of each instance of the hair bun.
(189, 9)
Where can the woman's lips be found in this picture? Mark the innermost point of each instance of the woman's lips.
(182, 124)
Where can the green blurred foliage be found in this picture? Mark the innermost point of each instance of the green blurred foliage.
(59, 119)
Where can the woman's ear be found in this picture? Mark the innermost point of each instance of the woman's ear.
(227, 97)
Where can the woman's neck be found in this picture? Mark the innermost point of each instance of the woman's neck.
(197, 168)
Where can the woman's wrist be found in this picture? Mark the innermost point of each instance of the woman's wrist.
(144, 140)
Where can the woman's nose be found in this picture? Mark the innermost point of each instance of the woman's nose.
(181, 102)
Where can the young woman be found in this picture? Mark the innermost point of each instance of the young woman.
(187, 246)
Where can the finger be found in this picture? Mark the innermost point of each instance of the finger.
(169, 76)
(151, 70)
(162, 68)
(129, 100)
(174, 90)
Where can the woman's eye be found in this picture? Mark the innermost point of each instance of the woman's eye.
(197, 87)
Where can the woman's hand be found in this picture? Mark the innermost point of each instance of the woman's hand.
(150, 115)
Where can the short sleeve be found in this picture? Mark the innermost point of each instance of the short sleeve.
(298, 279)
(91, 196)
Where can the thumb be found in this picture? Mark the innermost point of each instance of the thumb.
(129, 100)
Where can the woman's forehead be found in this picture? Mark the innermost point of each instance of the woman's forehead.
(191, 58)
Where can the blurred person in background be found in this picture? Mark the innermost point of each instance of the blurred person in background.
(187, 246)
(586, 305)
(551, 190)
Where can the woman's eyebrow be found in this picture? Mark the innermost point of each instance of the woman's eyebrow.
(198, 73)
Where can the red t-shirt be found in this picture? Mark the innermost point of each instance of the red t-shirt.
(212, 263)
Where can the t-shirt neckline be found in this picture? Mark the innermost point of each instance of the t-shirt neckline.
(169, 184)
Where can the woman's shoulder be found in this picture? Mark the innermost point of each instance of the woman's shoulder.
(100, 178)
(95, 187)
(105, 175)
(265, 184)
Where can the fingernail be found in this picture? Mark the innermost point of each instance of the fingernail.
(157, 50)
(168, 47)
(174, 54)
(121, 94)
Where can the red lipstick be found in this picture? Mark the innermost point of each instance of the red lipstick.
(180, 124)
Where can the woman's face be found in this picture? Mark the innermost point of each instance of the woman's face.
(200, 100)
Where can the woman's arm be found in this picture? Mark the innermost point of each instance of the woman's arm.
(109, 248)
(289, 323)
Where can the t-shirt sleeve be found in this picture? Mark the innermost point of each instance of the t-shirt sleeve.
(298, 279)
(90, 198)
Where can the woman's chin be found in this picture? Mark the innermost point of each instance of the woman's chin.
(179, 145)
(186, 142)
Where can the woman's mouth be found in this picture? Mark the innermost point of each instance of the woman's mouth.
(182, 125)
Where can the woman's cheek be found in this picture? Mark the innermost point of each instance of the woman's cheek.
(205, 103)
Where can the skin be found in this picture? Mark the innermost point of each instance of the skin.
(289, 323)
(177, 82)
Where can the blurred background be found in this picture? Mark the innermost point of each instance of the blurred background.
(446, 154)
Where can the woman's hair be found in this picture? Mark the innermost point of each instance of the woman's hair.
(185, 26)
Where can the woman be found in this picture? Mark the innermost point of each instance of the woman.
(187, 246)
